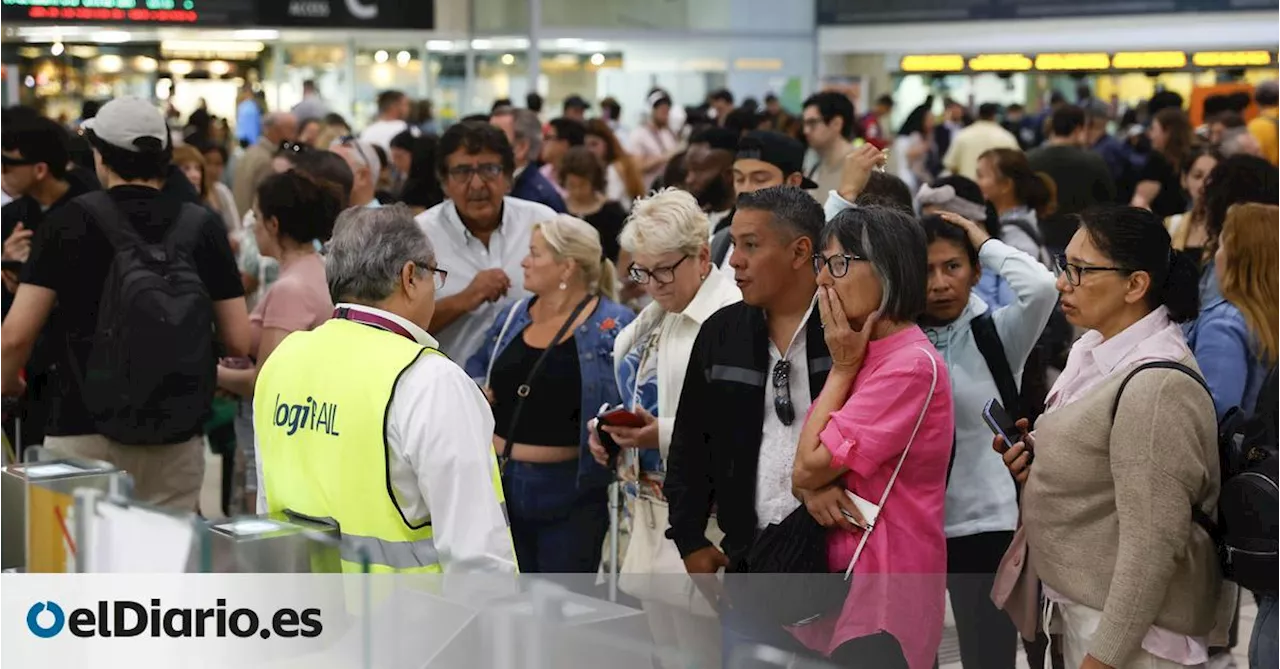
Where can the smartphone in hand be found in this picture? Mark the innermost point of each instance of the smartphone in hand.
(1001, 422)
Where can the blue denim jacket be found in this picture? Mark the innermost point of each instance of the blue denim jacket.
(594, 341)
(1228, 355)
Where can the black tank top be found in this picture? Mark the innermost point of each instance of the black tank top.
(552, 413)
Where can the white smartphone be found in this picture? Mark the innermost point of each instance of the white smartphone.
(870, 511)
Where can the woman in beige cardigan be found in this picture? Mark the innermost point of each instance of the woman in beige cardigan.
(1129, 579)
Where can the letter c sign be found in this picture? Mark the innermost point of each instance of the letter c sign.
(362, 11)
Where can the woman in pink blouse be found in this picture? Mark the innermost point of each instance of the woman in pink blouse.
(883, 418)
(293, 211)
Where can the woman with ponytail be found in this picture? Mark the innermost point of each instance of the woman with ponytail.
(1021, 197)
(546, 365)
(1127, 575)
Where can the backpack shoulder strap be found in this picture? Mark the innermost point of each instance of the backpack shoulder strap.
(184, 233)
(110, 220)
(1198, 516)
(1026, 227)
(1157, 364)
(987, 338)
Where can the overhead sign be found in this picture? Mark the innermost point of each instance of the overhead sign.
(401, 14)
(1082, 62)
(848, 12)
(342, 14)
(202, 12)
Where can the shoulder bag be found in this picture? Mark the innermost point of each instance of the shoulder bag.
(801, 587)
(525, 388)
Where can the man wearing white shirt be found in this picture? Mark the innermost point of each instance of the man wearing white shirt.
(393, 110)
(482, 235)
(363, 423)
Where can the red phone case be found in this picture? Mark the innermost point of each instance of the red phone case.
(621, 418)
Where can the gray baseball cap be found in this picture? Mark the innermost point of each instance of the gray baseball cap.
(129, 123)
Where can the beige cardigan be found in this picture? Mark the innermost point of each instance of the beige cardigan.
(1107, 509)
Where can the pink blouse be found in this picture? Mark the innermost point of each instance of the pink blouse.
(899, 583)
(298, 300)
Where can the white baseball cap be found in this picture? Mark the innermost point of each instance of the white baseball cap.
(129, 123)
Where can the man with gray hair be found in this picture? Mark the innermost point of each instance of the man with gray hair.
(365, 423)
(254, 166)
(524, 131)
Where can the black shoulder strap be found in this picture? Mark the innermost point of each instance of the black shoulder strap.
(1157, 364)
(1197, 514)
(110, 220)
(1025, 227)
(992, 350)
(523, 390)
(184, 233)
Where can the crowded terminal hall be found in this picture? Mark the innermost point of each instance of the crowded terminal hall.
(889, 347)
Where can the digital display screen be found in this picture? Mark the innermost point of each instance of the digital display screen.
(209, 12)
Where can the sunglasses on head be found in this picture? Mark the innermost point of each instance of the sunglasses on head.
(18, 161)
(294, 147)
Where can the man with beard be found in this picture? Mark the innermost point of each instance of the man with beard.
(709, 173)
(480, 235)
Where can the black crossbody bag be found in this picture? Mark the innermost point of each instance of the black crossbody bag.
(525, 388)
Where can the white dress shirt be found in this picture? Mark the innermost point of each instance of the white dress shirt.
(464, 256)
(440, 433)
(382, 132)
(778, 442)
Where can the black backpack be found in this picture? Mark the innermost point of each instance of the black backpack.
(151, 371)
(1245, 529)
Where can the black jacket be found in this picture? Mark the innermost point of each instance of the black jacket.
(715, 447)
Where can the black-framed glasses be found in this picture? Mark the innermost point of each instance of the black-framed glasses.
(463, 173)
(438, 276)
(661, 275)
(782, 406)
(1075, 273)
(19, 161)
(837, 264)
(294, 147)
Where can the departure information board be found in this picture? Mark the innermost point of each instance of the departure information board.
(849, 12)
(183, 12)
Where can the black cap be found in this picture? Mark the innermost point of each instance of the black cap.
(776, 149)
(576, 102)
(717, 138)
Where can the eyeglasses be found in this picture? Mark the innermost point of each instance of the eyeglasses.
(782, 405)
(438, 275)
(294, 147)
(462, 174)
(811, 122)
(661, 275)
(1075, 273)
(18, 161)
(837, 264)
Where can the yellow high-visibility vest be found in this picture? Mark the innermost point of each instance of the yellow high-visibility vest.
(320, 406)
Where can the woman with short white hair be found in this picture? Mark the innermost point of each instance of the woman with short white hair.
(666, 237)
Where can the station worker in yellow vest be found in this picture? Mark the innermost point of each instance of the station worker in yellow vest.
(364, 422)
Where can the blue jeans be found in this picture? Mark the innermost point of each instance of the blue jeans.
(1262, 647)
(556, 528)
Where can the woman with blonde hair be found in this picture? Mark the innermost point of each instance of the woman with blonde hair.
(213, 193)
(666, 238)
(1248, 273)
(547, 366)
(1235, 336)
(623, 179)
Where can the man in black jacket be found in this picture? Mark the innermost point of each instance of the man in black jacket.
(755, 368)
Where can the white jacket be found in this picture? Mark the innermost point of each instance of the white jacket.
(675, 343)
(980, 494)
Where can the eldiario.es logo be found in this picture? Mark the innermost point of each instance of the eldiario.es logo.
(123, 618)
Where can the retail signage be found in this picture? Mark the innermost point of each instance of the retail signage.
(1082, 62)
(848, 12)
(400, 14)
(188, 12)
